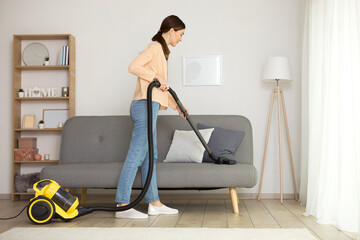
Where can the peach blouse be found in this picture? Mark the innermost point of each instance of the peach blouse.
(147, 66)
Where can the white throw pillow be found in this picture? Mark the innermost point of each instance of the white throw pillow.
(186, 147)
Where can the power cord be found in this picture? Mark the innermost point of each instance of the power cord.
(16, 215)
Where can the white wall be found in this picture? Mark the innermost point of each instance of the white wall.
(110, 33)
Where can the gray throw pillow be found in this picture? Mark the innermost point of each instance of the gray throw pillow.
(223, 142)
(25, 181)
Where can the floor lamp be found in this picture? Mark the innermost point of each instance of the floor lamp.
(277, 69)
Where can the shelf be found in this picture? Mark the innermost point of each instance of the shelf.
(38, 130)
(52, 67)
(23, 193)
(42, 98)
(43, 36)
(41, 161)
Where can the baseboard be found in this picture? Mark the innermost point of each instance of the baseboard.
(5, 196)
(195, 195)
(266, 195)
(227, 196)
(198, 195)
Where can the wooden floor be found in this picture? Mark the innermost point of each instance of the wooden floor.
(198, 213)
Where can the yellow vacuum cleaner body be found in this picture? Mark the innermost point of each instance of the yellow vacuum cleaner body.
(52, 201)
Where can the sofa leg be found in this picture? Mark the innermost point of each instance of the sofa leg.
(83, 195)
(234, 199)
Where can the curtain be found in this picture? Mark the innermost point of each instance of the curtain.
(330, 186)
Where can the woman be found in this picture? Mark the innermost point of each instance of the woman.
(150, 65)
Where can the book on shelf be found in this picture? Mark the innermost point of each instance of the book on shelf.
(67, 56)
(64, 56)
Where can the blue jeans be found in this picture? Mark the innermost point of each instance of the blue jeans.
(138, 154)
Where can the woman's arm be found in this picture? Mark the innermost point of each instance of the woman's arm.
(137, 68)
(174, 106)
(181, 113)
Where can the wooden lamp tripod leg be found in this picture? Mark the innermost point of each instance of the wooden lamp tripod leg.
(280, 142)
(288, 140)
(266, 142)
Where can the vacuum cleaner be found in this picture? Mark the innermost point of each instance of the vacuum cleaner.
(52, 201)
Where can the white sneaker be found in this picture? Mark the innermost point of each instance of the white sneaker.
(131, 213)
(163, 210)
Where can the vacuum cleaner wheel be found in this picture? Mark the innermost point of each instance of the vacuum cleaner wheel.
(41, 210)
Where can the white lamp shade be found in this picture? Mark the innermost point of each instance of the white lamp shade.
(277, 68)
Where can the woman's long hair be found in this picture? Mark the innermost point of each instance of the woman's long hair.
(169, 22)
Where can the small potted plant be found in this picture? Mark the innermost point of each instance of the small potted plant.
(41, 124)
(21, 92)
(47, 63)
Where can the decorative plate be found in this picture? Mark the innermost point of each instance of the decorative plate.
(34, 54)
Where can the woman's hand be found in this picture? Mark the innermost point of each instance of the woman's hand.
(181, 113)
(164, 84)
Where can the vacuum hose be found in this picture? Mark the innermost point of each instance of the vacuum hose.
(218, 160)
(86, 210)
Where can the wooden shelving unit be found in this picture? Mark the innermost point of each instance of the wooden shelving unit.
(42, 161)
(38, 130)
(18, 68)
(42, 98)
(18, 194)
(55, 67)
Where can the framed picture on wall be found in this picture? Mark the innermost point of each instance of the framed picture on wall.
(202, 70)
(52, 117)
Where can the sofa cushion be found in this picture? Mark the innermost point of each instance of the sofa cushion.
(85, 175)
(169, 175)
(95, 139)
(186, 147)
(205, 175)
(223, 142)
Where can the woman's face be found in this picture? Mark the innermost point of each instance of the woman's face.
(176, 36)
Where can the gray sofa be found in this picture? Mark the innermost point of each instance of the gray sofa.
(93, 149)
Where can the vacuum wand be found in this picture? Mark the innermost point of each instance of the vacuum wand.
(217, 160)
